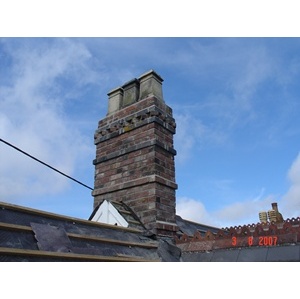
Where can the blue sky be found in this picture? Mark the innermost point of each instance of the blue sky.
(235, 101)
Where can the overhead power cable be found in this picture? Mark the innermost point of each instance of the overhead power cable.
(18, 149)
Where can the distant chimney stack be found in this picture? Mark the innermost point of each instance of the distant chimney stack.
(273, 215)
(135, 154)
(263, 218)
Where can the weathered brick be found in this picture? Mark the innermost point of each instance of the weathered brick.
(135, 155)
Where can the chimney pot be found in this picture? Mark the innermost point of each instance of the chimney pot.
(131, 92)
(275, 206)
(151, 84)
(263, 217)
(115, 98)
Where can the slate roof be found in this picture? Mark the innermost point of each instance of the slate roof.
(187, 227)
(33, 235)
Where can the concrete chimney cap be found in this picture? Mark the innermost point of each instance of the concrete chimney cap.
(118, 89)
(153, 73)
(131, 82)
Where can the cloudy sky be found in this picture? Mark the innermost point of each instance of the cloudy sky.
(235, 101)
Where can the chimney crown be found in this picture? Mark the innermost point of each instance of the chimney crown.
(148, 84)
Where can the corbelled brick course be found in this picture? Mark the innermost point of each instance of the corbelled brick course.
(135, 154)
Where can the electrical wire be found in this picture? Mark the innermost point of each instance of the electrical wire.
(45, 164)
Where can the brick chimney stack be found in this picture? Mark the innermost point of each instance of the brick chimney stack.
(135, 155)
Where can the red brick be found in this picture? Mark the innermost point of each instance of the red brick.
(135, 161)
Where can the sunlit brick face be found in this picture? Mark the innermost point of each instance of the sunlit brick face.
(135, 154)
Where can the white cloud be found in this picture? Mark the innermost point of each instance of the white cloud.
(193, 210)
(192, 134)
(187, 132)
(291, 200)
(245, 211)
(294, 172)
(229, 74)
(33, 118)
(237, 213)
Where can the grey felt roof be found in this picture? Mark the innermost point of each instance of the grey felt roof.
(284, 253)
